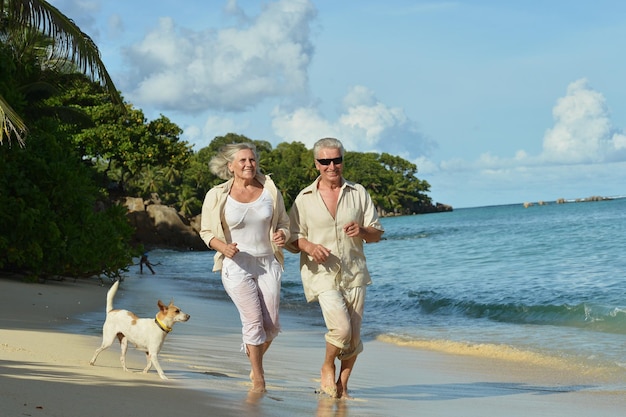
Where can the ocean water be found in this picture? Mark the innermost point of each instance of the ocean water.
(544, 282)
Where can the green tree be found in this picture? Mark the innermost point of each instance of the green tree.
(197, 180)
(188, 202)
(22, 23)
(54, 220)
(391, 180)
(292, 168)
(141, 156)
(366, 169)
(263, 147)
(409, 192)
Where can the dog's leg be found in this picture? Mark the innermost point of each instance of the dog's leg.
(152, 360)
(148, 364)
(124, 348)
(95, 355)
(107, 341)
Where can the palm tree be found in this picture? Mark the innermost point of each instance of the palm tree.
(68, 44)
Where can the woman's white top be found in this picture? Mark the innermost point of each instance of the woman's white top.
(250, 223)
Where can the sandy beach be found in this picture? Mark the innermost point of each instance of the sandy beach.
(46, 372)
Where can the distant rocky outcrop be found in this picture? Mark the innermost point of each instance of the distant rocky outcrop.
(564, 201)
(158, 225)
(417, 209)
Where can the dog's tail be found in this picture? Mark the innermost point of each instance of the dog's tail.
(111, 295)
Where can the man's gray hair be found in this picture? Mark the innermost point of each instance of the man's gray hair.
(327, 143)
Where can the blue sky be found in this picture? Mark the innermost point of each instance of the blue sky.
(495, 102)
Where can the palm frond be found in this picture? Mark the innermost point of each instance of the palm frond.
(69, 42)
(11, 125)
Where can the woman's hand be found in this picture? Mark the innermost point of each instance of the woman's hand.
(279, 238)
(228, 249)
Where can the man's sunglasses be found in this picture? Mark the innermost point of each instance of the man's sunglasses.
(335, 161)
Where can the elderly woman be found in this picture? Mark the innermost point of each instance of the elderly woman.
(244, 220)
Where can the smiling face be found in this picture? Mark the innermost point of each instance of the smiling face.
(333, 171)
(244, 164)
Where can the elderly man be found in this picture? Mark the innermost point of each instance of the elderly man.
(330, 221)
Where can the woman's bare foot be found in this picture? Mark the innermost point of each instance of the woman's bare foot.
(253, 398)
(327, 384)
(258, 385)
(252, 375)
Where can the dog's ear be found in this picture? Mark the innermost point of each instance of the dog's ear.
(162, 306)
(171, 302)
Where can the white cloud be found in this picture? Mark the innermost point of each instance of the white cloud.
(521, 155)
(304, 125)
(583, 155)
(115, 26)
(425, 165)
(359, 96)
(365, 124)
(193, 135)
(219, 126)
(371, 121)
(213, 126)
(582, 135)
(229, 69)
(582, 132)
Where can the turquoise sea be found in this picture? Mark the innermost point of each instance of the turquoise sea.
(544, 282)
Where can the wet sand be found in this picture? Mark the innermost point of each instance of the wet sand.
(46, 372)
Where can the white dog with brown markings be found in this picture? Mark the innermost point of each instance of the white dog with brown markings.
(147, 334)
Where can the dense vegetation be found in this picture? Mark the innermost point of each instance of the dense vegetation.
(86, 148)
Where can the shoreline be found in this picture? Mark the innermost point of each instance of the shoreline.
(45, 371)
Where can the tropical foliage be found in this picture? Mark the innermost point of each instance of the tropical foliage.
(44, 40)
(391, 180)
(54, 219)
(87, 148)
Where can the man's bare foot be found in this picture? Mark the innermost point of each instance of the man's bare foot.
(341, 392)
(345, 396)
(327, 384)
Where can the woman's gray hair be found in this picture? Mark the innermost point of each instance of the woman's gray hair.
(327, 143)
(218, 165)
